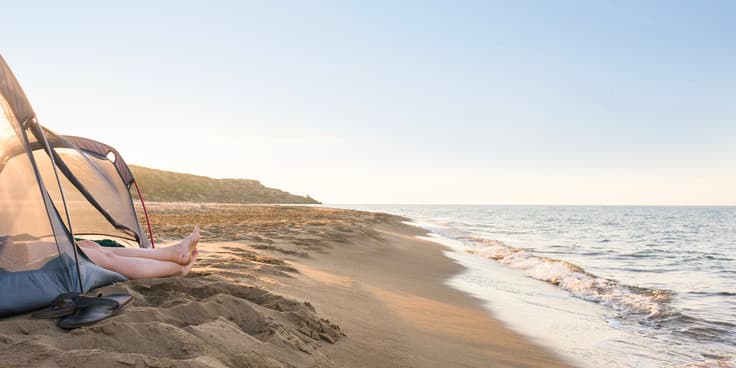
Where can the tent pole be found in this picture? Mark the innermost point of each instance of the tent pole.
(63, 200)
(145, 212)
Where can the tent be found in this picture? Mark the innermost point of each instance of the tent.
(54, 188)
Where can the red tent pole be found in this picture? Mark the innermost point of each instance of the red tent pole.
(145, 212)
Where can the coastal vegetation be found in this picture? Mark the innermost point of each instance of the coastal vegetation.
(167, 186)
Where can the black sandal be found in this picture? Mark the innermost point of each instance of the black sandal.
(62, 306)
(90, 310)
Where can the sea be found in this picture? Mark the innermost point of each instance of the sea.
(602, 286)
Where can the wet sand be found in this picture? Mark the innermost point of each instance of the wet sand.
(280, 286)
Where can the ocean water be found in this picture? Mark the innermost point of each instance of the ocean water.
(604, 286)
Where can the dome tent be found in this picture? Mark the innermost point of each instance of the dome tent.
(54, 188)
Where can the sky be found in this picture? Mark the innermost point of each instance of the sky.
(442, 102)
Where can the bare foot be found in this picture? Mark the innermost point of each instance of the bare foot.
(187, 246)
(188, 267)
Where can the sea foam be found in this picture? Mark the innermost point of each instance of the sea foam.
(574, 279)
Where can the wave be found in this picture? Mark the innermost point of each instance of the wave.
(573, 278)
(633, 300)
(712, 364)
(653, 304)
(713, 293)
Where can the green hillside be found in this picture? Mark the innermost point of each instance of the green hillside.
(167, 186)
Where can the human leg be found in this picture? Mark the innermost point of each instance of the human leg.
(180, 253)
(137, 267)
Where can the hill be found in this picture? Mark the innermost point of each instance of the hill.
(167, 186)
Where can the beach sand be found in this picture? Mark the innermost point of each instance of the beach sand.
(279, 286)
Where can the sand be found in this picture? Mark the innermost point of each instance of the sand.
(278, 286)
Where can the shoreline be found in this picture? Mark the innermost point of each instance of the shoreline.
(279, 286)
(579, 290)
(405, 277)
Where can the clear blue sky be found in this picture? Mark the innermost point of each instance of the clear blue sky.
(586, 102)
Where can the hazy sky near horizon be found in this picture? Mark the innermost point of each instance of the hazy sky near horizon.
(528, 102)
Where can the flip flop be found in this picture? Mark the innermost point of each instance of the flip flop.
(62, 306)
(90, 310)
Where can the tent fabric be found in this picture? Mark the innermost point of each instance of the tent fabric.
(53, 188)
(14, 99)
(28, 290)
(103, 150)
(96, 186)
